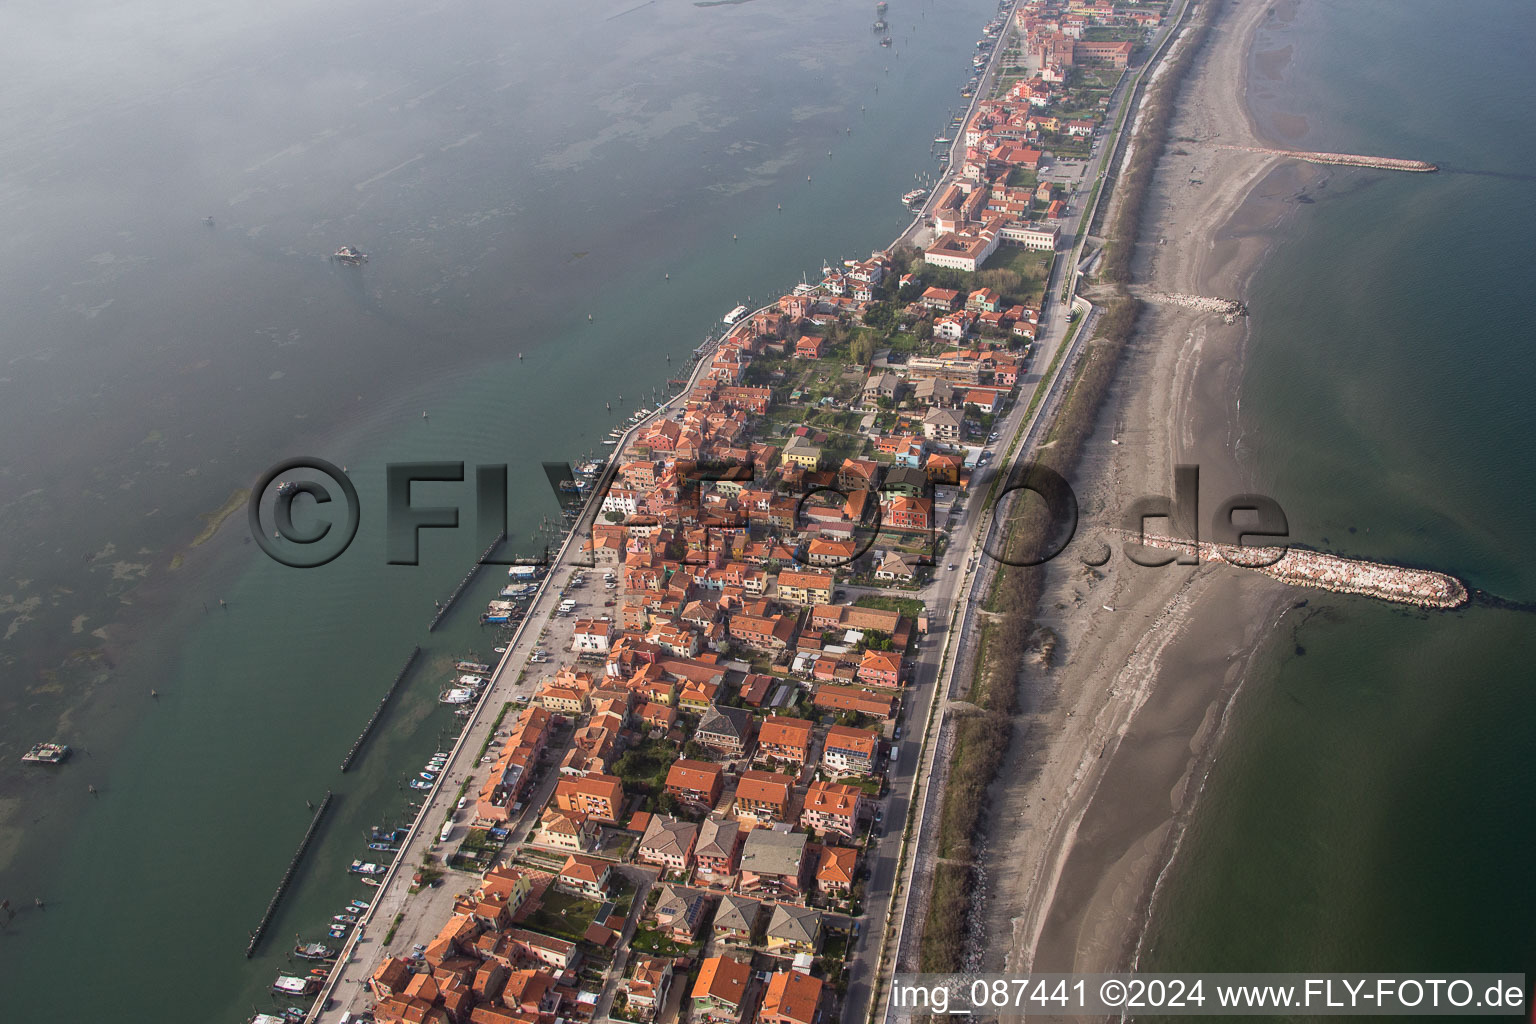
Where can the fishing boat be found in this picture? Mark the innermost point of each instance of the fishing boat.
(418, 784)
(383, 835)
(478, 668)
(372, 881)
(350, 255)
(383, 848)
(47, 753)
(369, 868)
(313, 951)
(288, 985)
(360, 904)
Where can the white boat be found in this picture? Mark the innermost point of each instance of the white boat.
(457, 696)
(734, 315)
(290, 986)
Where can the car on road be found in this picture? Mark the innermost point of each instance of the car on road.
(950, 567)
(521, 698)
(607, 604)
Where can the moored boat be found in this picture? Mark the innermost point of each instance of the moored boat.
(313, 951)
(47, 753)
(290, 986)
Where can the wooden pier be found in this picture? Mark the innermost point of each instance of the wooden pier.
(287, 880)
(443, 606)
(373, 719)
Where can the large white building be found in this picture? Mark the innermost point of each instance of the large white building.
(1030, 236)
(963, 252)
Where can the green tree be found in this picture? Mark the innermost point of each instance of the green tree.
(862, 349)
(880, 315)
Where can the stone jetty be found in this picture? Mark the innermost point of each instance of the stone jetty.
(1324, 571)
(1381, 163)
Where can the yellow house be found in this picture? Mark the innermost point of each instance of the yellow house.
(801, 452)
(805, 587)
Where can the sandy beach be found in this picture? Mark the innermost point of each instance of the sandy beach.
(1116, 738)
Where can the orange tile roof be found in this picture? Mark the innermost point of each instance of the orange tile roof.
(693, 775)
(792, 996)
(764, 787)
(837, 864)
(723, 978)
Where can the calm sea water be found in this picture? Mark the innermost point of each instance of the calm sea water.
(1370, 806)
(514, 169)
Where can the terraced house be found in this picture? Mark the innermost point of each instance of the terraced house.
(669, 842)
(784, 739)
(696, 782)
(717, 848)
(764, 796)
(805, 587)
(725, 731)
(600, 797)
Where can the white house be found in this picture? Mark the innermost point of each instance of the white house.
(591, 636)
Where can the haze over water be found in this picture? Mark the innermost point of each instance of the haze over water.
(1369, 807)
(511, 168)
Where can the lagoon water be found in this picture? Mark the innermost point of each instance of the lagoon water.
(513, 169)
(1369, 808)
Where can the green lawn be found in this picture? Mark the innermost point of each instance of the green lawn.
(649, 940)
(562, 915)
(908, 606)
